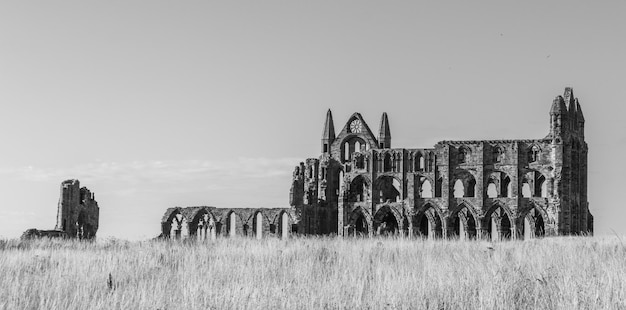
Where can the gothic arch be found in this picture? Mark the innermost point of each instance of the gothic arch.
(464, 221)
(283, 222)
(429, 221)
(203, 224)
(467, 179)
(358, 190)
(419, 187)
(351, 141)
(388, 188)
(532, 221)
(360, 222)
(233, 223)
(499, 218)
(178, 224)
(534, 153)
(260, 223)
(387, 220)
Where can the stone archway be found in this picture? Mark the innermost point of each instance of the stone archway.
(429, 222)
(498, 223)
(386, 222)
(464, 224)
(359, 223)
(534, 224)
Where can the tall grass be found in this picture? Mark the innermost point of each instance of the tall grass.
(314, 273)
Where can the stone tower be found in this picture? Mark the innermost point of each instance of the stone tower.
(78, 211)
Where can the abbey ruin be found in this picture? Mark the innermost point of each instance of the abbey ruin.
(361, 186)
(77, 214)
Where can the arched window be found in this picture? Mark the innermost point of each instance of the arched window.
(459, 189)
(431, 161)
(541, 187)
(387, 163)
(492, 192)
(419, 162)
(506, 188)
(359, 161)
(526, 193)
(426, 189)
(346, 151)
(438, 186)
(471, 188)
(357, 190)
(357, 146)
(534, 154)
(497, 154)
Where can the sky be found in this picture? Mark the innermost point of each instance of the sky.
(155, 104)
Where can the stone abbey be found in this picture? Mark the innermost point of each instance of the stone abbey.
(361, 186)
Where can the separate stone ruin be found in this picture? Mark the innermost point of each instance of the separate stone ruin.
(77, 214)
(483, 189)
(208, 223)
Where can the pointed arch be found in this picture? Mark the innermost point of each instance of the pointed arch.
(175, 224)
(431, 161)
(358, 189)
(284, 223)
(387, 162)
(425, 188)
(506, 189)
(429, 221)
(532, 222)
(387, 221)
(260, 223)
(534, 153)
(541, 186)
(359, 222)
(203, 224)
(234, 224)
(419, 161)
(499, 222)
(467, 187)
(464, 221)
(388, 188)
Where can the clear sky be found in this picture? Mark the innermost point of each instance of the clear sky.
(155, 104)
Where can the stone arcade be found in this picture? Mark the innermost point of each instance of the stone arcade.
(360, 185)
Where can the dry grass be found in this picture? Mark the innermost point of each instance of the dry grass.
(314, 273)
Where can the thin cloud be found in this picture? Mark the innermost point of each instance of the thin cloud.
(210, 174)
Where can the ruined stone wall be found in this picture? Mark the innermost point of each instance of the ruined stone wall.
(78, 212)
(205, 222)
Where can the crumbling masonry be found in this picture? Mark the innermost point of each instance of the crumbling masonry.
(78, 211)
(77, 215)
(360, 185)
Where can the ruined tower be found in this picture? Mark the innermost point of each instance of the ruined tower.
(78, 211)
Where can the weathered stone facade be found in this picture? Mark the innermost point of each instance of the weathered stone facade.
(78, 211)
(77, 214)
(495, 189)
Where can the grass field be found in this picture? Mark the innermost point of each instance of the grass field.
(314, 273)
